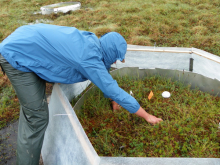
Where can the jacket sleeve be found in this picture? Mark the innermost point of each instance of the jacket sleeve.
(98, 74)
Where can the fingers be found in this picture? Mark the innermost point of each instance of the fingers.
(116, 107)
(153, 120)
(157, 121)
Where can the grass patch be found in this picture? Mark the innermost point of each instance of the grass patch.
(189, 129)
(187, 23)
(169, 23)
(9, 104)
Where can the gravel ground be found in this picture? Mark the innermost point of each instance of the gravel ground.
(8, 144)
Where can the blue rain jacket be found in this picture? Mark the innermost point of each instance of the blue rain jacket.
(67, 55)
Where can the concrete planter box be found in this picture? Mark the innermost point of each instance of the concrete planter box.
(65, 140)
(60, 7)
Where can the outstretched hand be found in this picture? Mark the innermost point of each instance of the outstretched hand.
(148, 117)
(153, 119)
(141, 112)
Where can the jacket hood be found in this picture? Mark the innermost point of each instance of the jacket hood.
(114, 48)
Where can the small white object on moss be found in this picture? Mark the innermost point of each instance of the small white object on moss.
(166, 94)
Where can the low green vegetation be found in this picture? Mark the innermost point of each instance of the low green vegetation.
(9, 104)
(189, 129)
(171, 23)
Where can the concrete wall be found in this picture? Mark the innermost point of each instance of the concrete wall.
(65, 141)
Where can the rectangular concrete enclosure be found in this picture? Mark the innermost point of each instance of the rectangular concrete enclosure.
(65, 141)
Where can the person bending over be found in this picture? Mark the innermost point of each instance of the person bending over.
(35, 54)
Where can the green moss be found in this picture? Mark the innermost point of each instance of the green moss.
(189, 129)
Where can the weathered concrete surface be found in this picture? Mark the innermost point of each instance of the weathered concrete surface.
(65, 140)
(158, 161)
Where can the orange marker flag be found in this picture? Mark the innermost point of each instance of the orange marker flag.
(150, 95)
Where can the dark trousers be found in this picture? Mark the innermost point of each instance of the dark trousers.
(34, 117)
